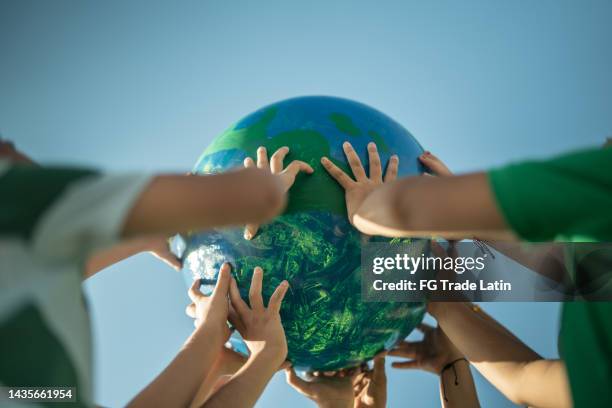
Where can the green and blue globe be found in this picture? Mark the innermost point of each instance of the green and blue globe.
(311, 245)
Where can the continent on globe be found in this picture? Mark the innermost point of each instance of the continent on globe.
(312, 244)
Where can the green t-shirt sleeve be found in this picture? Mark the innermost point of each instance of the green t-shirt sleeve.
(566, 198)
(28, 191)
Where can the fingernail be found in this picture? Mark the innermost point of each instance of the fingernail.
(247, 235)
(346, 144)
(372, 145)
(324, 159)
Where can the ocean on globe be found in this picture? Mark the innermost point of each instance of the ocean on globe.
(312, 244)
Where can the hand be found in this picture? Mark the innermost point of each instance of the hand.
(357, 190)
(371, 387)
(275, 165)
(430, 354)
(435, 165)
(325, 391)
(212, 311)
(259, 326)
(160, 249)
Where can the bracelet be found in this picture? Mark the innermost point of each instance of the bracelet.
(446, 367)
(451, 364)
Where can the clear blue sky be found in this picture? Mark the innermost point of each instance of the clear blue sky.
(146, 85)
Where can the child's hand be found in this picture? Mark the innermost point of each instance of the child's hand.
(259, 326)
(435, 165)
(212, 311)
(326, 392)
(371, 387)
(357, 190)
(275, 165)
(431, 354)
(159, 248)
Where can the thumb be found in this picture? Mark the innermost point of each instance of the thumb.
(437, 167)
(223, 281)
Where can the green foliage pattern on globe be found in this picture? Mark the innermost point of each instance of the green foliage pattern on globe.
(311, 245)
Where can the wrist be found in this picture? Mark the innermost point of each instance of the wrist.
(275, 355)
(208, 333)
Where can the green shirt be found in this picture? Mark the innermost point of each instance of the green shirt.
(50, 220)
(568, 198)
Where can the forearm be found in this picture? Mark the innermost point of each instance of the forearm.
(546, 259)
(178, 383)
(450, 207)
(457, 389)
(246, 385)
(226, 365)
(175, 203)
(106, 257)
(495, 352)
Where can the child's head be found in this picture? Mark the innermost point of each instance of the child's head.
(10, 153)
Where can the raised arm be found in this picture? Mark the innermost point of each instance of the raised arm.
(177, 203)
(416, 206)
(177, 385)
(450, 207)
(438, 355)
(156, 245)
(263, 334)
(512, 367)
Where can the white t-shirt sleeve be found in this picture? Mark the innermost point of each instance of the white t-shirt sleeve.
(88, 215)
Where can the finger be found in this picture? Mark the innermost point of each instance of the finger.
(234, 318)
(223, 281)
(425, 328)
(435, 165)
(329, 373)
(354, 162)
(392, 167)
(404, 352)
(296, 382)
(381, 354)
(238, 304)
(358, 378)
(336, 172)
(250, 230)
(277, 297)
(194, 291)
(375, 167)
(406, 364)
(276, 161)
(190, 310)
(296, 166)
(169, 258)
(255, 291)
(262, 158)
(409, 345)
(379, 374)
(249, 163)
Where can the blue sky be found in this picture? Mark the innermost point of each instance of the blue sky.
(145, 86)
